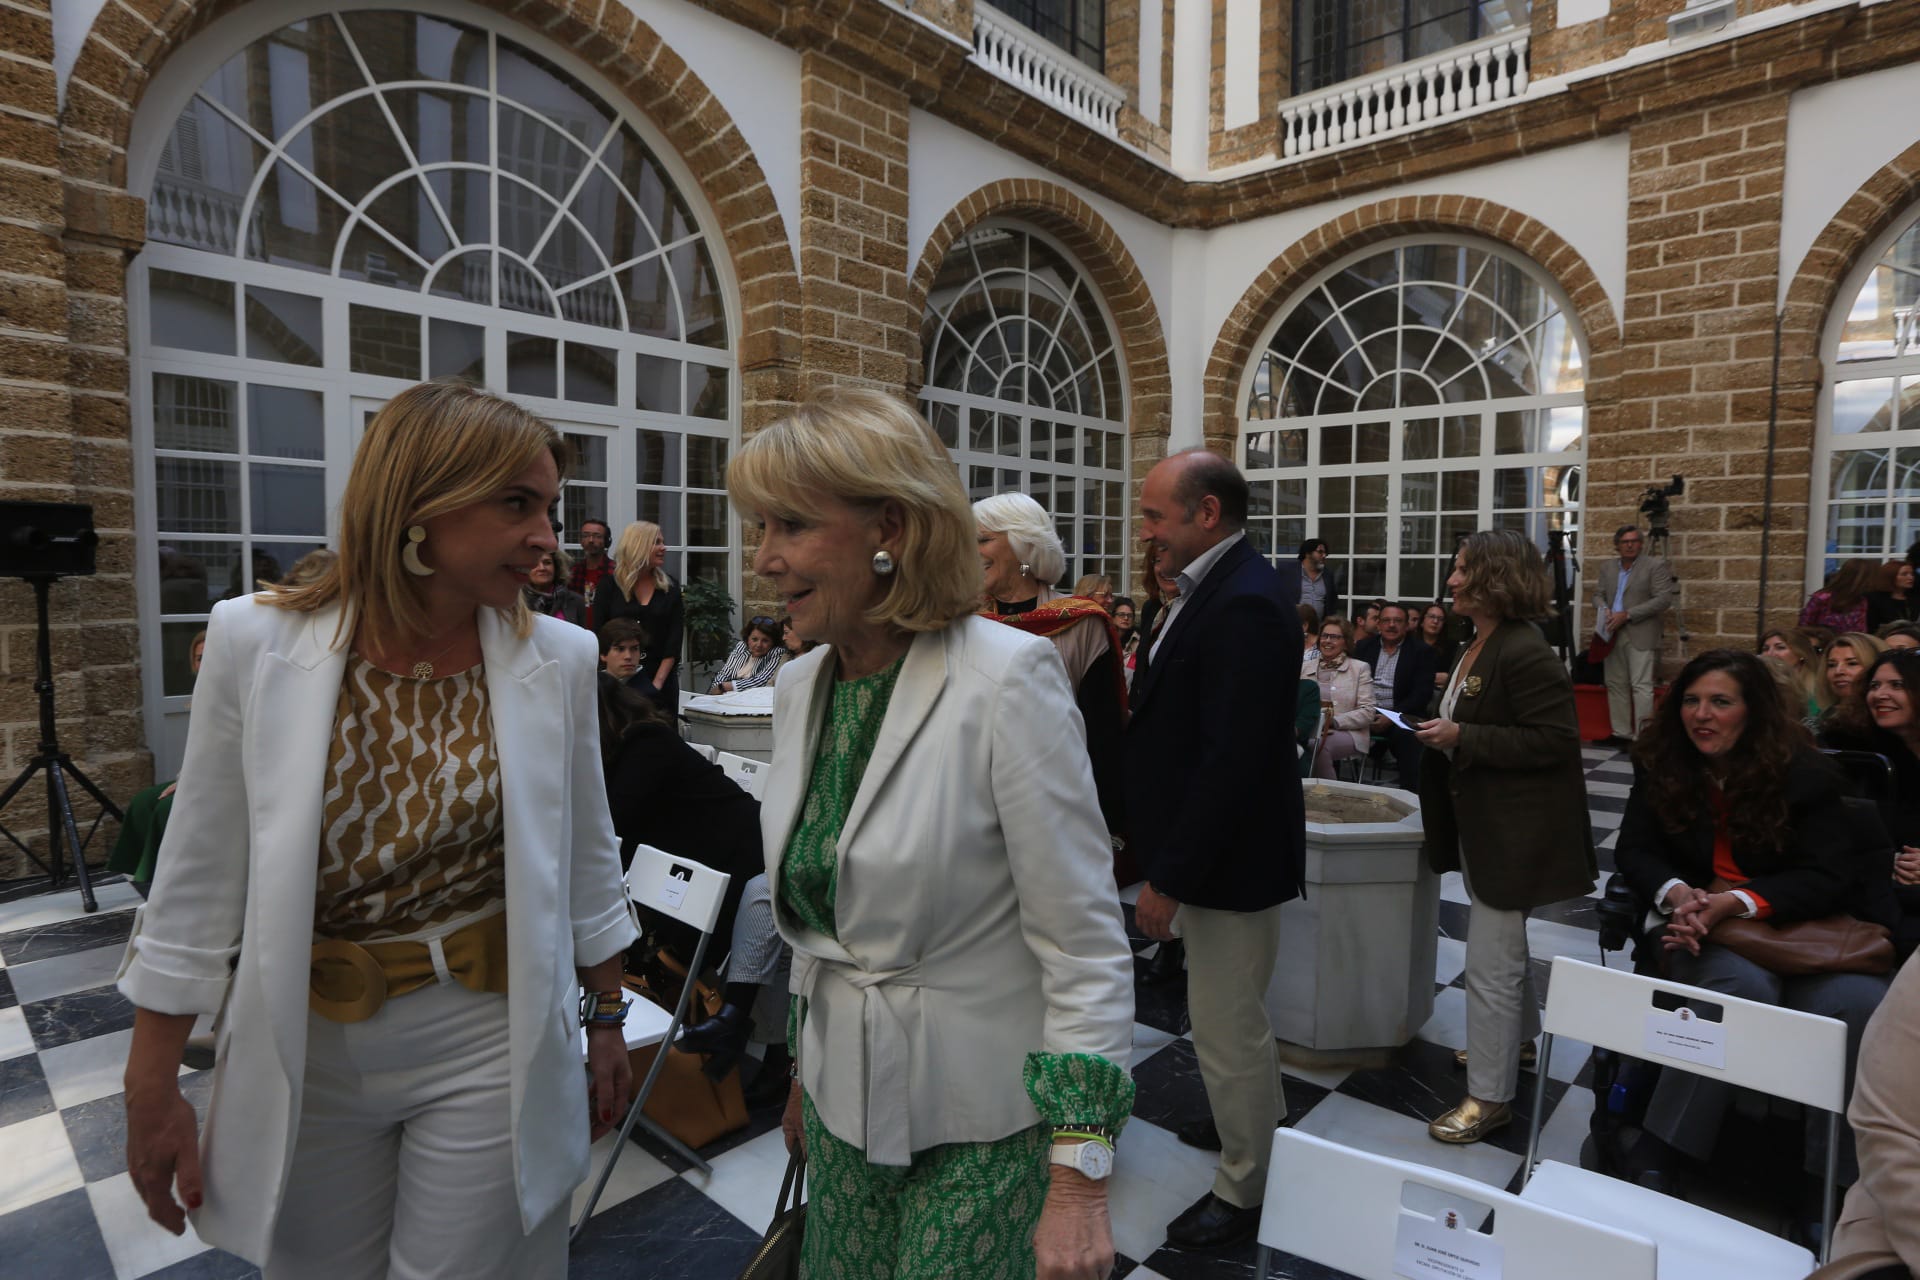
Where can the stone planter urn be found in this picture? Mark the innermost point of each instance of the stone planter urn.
(1354, 979)
(738, 723)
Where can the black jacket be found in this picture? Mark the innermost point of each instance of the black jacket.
(663, 619)
(1211, 733)
(1807, 878)
(1412, 679)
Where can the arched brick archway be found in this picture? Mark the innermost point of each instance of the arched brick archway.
(1106, 260)
(122, 50)
(1287, 274)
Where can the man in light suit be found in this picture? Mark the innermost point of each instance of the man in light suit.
(1629, 596)
(1211, 736)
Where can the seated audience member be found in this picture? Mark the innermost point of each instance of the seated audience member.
(1733, 814)
(544, 594)
(1309, 630)
(755, 659)
(147, 811)
(623, 648)
(1436, 632)
(1847, 660)
(1842, 603)
(1790, 651)
(1403, 674)
(1366, 621)
(1096, 587)
(1877, 1235)
(1123, 615)
(1893, 598)
(1900, 635)
(1346, 696)
(1152, 603)
(1882, 720)
(1819, 638)
(665, 794)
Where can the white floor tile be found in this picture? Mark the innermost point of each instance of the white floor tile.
(1131, 894)
(1612, 840)
(1155, 1178)
(1448, 1025)
(1569, 1058)
(1453, 888)
(52, 908)
(637, 1171)
(1567, 1127)
(1608, 787)
(1450, 959)
(746, 1180)
(1549, 938)
(1148, 1041)
(39, 1162)
(87, 1069)
(15, 1039)
(64, 975)
(1621, 768)
(136, 1243)
(1325, 1077)
(1604, 820)
(1361, 1124)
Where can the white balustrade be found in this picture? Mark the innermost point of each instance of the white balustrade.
(1412, 95)
(182, 211)
(1018, 56)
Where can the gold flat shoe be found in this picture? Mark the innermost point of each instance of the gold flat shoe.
(1529, 1057)
(1471, 1121)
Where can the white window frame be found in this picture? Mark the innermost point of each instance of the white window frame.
(1826, 442)
(176, 84)
(1397, 467)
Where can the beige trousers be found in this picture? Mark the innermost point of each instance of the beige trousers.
(1629, 687)
(1502, 1010)
(1230, 957)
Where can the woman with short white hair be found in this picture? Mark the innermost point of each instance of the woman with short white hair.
(1023, 557)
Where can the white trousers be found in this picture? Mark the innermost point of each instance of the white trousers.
(1503, 1012)
(1629, 687)
(403, 1166)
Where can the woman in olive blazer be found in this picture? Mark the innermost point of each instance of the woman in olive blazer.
(1504, 799)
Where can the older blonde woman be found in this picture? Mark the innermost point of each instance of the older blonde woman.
(940, 869)
(1097, 587)
(379, 788)
(1021, 555)
(641, 588)
(1346, 695)
(1504, 796)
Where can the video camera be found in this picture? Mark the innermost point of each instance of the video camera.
(1656, 507)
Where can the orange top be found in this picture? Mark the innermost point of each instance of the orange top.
(1723, 864)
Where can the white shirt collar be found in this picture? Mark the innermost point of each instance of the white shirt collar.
(1196, 572)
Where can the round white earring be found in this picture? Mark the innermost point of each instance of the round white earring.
(883, 562)
(410, 554)
(1026, 571)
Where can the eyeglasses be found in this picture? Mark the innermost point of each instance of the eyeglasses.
(762, 621)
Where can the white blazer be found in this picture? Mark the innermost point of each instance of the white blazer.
(230, 922)
(977, 915)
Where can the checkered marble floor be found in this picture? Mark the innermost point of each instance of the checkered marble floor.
(68, 1211)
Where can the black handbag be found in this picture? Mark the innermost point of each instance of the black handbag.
(778, 1257)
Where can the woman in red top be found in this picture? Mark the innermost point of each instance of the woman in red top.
(1733, 813)
(1842, 603)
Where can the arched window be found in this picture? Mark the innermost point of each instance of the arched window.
(359, 200)
(1406, 398)
(1868, 467)
(1024, 386)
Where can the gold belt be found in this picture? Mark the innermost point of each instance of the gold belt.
(349, 981)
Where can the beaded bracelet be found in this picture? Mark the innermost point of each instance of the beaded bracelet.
(603, 1009)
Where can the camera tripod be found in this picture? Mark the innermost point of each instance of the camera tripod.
(1657, 534)
(56, 765)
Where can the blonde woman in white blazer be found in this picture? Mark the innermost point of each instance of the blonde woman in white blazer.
(390, 862)
(940, 867)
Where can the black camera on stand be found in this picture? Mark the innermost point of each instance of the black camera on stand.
(1657, 506)
(40, 543)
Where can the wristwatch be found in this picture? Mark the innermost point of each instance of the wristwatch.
(1091, 1159)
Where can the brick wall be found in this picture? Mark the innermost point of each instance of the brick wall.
(1703, 240)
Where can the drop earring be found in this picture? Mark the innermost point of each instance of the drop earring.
(410, 554)
(883, 563)
(1026, 571)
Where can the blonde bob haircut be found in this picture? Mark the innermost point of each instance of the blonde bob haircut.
(434, 448)
(1029, 532)
(864, 448)
(1505, 574)
(634, 552)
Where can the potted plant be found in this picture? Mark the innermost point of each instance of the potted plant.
(709, 630)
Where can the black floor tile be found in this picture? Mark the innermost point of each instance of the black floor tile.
(54, 1238)
(1167, 1090)
(7, 998)
(211, 1265)
(23, 1090)
(1453, 920)
(1236, 1263)
(671, 1230)
(79, 1016)
(1163, 1005)
(107, 929)
(98, 1131)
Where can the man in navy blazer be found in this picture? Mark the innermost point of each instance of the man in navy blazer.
(1407, 689)
(1222, 840)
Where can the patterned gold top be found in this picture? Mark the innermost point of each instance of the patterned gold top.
(411, 836)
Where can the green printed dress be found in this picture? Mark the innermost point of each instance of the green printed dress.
(961, 1211)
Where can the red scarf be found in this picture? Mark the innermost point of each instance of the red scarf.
(1055, 616)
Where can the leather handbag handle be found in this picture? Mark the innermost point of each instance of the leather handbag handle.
(790, 1185)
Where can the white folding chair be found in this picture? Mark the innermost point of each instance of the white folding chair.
(1345, 1209)
(707, 750)
(1783, 1052)
(690, 893)
(750, 774)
